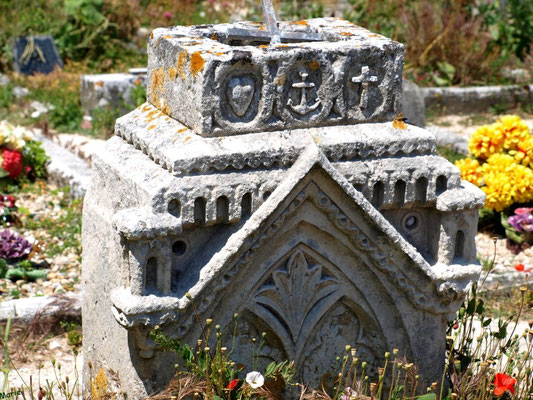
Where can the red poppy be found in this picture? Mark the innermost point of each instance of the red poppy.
(503, 383)
(232, 384)
(522, 268)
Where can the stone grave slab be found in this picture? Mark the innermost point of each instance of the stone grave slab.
(36, 54)
(110, 90)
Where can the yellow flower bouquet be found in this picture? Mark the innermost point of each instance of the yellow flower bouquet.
(501, 162)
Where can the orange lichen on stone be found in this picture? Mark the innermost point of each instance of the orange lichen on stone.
(187, 138)
(172, 72)
(263, 46)
(346, 34)
(214, 36)
(374, 35)
(157, 85)
(151, 127)
(282, 45)
(165, 109)
(219, 53)
(262, 28)
(152, 35)
(151, 114)
(182, 59)
(146, 108)
(168, 37)
(167, 118)
(304, 23)
(182, 130)
(313, 65)
(99, 84)
(197, 63)
(158, 77)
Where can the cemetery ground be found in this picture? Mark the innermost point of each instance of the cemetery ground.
(453, 47)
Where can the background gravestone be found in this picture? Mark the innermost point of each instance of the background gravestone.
(41, 56)
(413, 107)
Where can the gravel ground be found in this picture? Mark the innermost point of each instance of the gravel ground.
(505, 259)
(45, 205)
(44, 373)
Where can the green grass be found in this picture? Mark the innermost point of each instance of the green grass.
(449, 153)
(503, 303)
(64, 231)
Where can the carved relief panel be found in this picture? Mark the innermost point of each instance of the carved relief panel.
(309, 314)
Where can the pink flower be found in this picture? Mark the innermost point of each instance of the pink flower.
(167, 15)
(523, 210)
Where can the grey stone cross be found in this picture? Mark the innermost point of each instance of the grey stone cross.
(364, 79)
(273, 33)
(271, 22)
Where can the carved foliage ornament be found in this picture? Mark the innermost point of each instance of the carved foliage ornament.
(293, 291)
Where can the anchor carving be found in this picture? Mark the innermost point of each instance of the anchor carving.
(303, 108)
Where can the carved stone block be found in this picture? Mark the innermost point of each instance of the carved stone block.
(322, 235)
(227, 79)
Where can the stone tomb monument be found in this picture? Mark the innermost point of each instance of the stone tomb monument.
(269, 180)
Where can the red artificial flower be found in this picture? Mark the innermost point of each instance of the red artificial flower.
(7, 201)
(12, 162)
(503, 383)
(232, 384)
(522, 268)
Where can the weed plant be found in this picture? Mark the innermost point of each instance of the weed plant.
(211, 374)
(454, 41)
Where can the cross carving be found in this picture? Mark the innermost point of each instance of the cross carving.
(364, 79)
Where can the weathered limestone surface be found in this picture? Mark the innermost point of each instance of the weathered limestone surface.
(226, 79)
(110, 90)
(321, 235)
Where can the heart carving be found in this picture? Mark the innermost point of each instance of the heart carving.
(240, 92)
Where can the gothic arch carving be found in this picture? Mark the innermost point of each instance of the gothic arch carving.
(310, 309)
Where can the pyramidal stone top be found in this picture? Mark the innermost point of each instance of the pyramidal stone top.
(228, 79)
